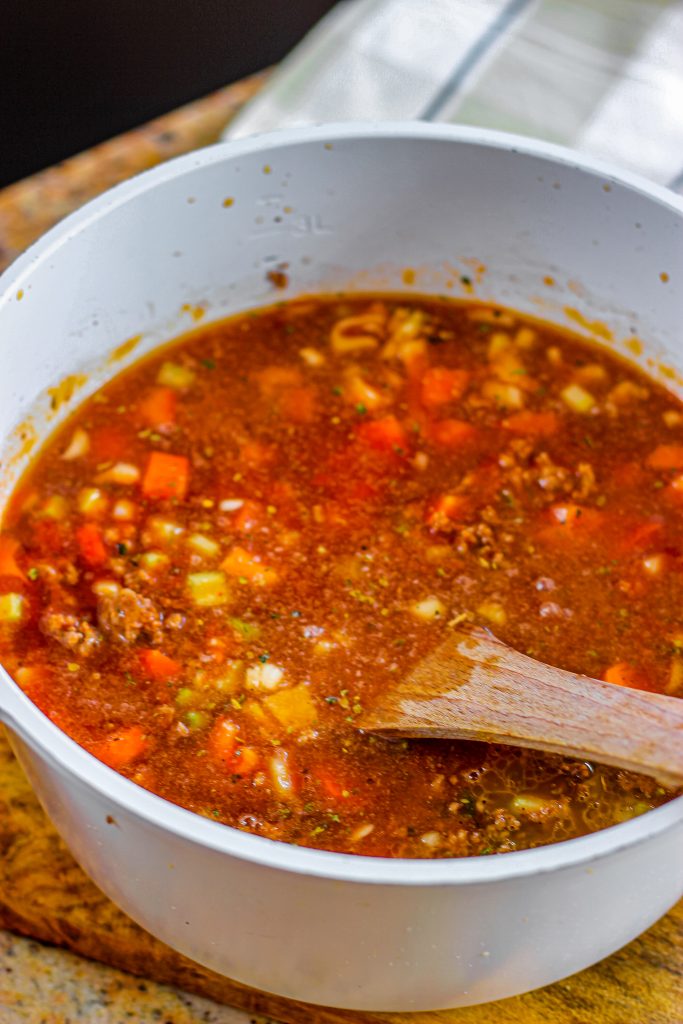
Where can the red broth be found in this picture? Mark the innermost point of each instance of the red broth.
(216, 565)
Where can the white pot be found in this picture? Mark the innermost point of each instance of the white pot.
(343, 207)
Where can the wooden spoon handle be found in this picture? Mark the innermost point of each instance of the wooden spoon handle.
(474, 687)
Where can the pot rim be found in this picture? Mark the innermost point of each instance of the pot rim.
(39, 732)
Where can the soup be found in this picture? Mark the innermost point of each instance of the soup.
(213, 569)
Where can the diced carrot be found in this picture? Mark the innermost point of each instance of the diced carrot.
(158, 407)
(226, 749)
(447, 510)
(245, 760)
(159, 666)
(223, 740)
(299, 405)
(122, 748)
(250, 516)
(91, 544)
(166, 476)
(675, 488)
(452, 433)
(330, 785)
(532, 424)
(9, 548)
(666, 456)
(622, 673)
(385, 435)
(242, 564)
(440, 385)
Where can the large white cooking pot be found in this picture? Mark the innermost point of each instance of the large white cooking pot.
(342, 207)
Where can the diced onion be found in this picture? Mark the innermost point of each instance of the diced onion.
(494, 612)
(429, 609)
(312, 357)
(173, 375)
(92, 502)
(120, 473)
(203, 546)
(264, 676)
(231, 504)
(577, 398)
(78, 445)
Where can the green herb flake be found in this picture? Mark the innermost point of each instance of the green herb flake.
(361, 409)
(33, 573)
(122, 549)
(209, 364)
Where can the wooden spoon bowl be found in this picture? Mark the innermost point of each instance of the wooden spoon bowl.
(475, 687)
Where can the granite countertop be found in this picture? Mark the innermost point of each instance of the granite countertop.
(42, 984)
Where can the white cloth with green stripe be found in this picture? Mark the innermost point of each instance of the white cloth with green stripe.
(603, 76)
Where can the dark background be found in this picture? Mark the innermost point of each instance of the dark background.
(76, 72)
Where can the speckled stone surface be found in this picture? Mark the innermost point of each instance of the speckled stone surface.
(45, 985)
(43, 892)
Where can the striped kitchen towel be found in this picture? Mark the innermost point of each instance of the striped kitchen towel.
(603, 76)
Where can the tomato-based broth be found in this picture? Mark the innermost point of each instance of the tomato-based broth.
(230, 550)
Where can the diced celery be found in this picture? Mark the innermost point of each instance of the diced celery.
(185, 697)
(154, 561)
(248, 630)
(203, 546)
(208, 589)
(509, 396)
(173, 375)
(164, 531)
(11, 608)
(196, 719)
(577, 398)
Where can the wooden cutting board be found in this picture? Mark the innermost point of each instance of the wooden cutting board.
(44, 894)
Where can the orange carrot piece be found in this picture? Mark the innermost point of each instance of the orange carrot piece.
(159, 666)
(166, 476)
(242, 564)
(440, 385)
(158, 407)
(226, 749)
(622, 673)
(666, 456)
(452, 433)
(91, 544)
(446, 510)
(385, 435)
(122, 748)
(9, 547)
(250, 516)
(532, 424)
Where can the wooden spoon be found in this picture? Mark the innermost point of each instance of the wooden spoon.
(474, 687)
